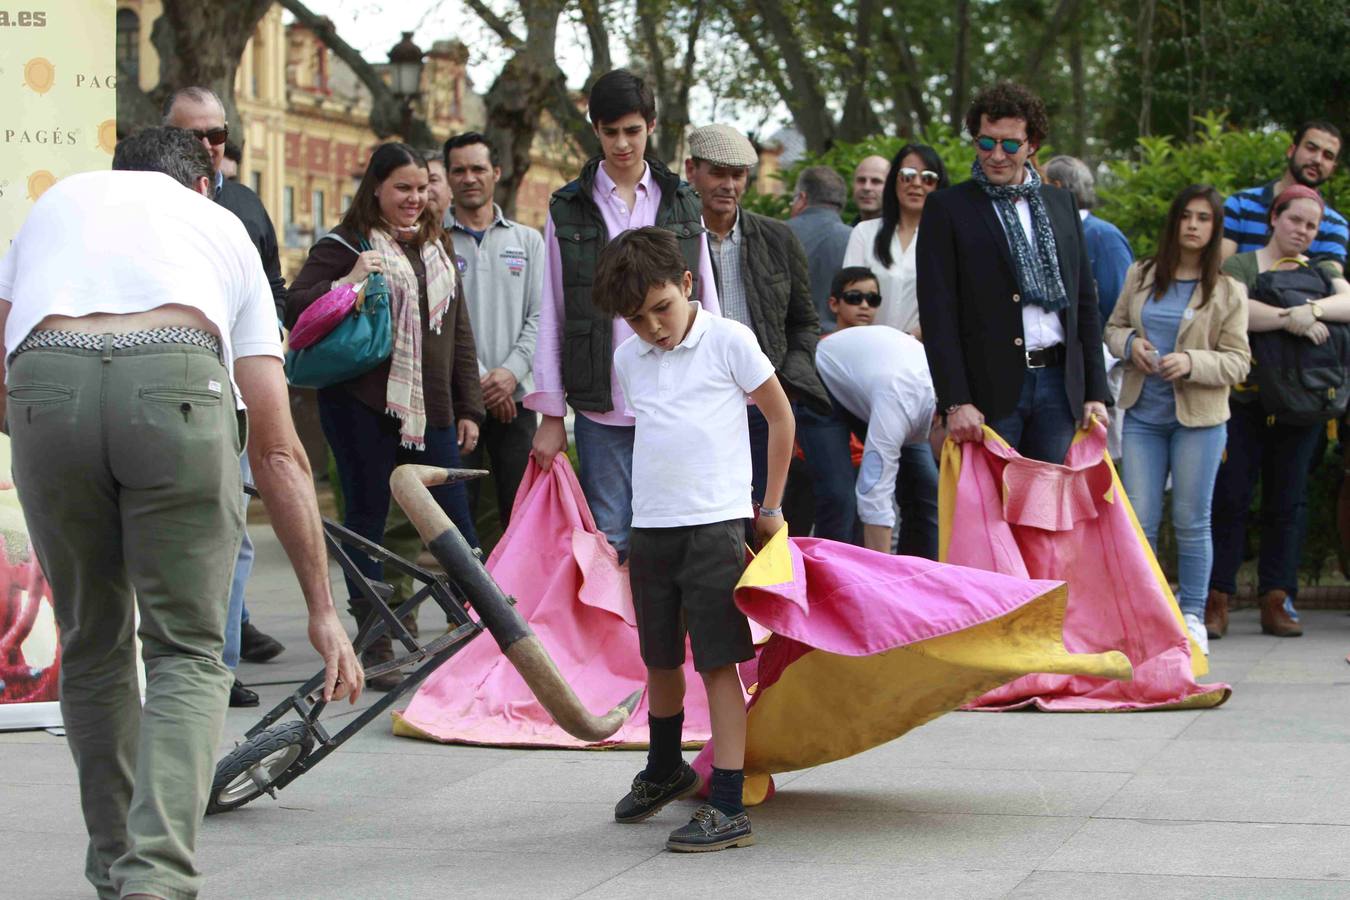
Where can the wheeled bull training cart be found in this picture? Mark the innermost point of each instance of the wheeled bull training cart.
(290, 739)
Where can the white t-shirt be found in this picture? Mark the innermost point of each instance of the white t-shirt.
(898, 281)
(691, 451)
(128, 242)
(881, 376)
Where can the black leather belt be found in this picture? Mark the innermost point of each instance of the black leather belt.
(1046, 356)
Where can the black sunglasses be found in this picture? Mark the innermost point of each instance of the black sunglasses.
(927, 176)
(987, 144)
(213, 136)
(857, 298)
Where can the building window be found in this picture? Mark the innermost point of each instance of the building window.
(316, 203)
(255, 180)
(129, 42)
(288, 205)
(346, 202)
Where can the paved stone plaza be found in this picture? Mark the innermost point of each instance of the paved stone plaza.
(1248, 801)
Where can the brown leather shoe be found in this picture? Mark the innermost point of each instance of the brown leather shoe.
(381, 651)
(1274, 620)
(1216, 614)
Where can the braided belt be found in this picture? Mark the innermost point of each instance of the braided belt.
(78, 340)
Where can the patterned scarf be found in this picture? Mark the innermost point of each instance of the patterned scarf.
(1038, 276)
(403, 396)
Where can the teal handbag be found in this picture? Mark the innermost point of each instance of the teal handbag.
(359, 343)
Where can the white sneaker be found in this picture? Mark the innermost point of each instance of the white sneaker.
(1196, 628)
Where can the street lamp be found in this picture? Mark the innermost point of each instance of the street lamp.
(405, 67)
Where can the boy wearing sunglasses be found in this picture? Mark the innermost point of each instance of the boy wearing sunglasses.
(854, 297)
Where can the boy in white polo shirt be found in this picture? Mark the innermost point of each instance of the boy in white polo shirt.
(686, 375)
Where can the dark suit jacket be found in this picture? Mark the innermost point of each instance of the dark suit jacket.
(970, 306)
(245, 204)
(778, 292)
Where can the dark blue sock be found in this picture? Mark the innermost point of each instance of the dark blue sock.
(663, 746)
(725, 794)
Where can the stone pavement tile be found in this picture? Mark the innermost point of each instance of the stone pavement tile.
(41, 808)
(42, 762)
(1107, 886)
(1287, 713)
(1251, 759)
(981, 792)
(1222, 796)
(1231, 849)
(935, 748)
(323, 871)
(998, 727)
(44, 864)
(677, 875)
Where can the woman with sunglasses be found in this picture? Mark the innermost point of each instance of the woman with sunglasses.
(1181, 327)
(1278, 454)
(887, 245)
(422, 405)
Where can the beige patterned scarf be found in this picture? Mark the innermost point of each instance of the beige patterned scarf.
(403, 396)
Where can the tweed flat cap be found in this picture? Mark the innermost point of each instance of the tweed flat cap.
(722, 145)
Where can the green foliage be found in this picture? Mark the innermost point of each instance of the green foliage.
(1137, 194)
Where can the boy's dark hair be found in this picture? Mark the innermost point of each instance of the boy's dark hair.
(1319, 125)
(172, 151)
(631, 265)
(468, 139)
(617, 93)
(848, 275)
(1009, 100)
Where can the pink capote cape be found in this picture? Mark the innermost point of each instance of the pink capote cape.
(568, 585)
(867, 646)
(1073, 523)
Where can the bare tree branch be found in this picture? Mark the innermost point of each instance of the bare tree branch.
(498, 25)
(594, 18)
(1065, 14)
(805, 100)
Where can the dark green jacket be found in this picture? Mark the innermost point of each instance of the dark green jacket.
(778, 292)
(588, 334)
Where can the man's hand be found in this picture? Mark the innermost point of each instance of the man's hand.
(965, 424)
(343, 676)
(1174, 366)
(767, 526)
(467, 432)
(1093, 409)
(549, 441)
(503, 412)
(1144, 355)
(498, 385)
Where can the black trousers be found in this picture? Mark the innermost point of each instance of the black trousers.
(504, 448)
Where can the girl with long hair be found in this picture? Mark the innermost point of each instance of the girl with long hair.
(422, 405)
(1181, 327)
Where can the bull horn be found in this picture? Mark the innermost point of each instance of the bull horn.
(409, 485)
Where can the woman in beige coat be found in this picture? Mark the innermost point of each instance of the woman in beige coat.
(1181, 327)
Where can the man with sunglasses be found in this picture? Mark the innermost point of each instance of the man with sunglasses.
(198, 110)
(1006, 296)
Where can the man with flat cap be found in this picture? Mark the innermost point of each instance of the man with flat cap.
(762, 276)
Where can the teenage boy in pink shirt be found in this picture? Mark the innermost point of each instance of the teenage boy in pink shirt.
(687, 375)
(617, 191)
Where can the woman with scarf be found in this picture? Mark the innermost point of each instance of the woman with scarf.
(424, 404)
(1181, 327)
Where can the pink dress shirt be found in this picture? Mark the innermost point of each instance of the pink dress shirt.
(548, 396)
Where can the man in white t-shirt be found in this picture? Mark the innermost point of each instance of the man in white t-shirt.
(880, 377)
(687, 374)
(137, 324)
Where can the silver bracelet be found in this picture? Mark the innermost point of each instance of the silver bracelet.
(773, 512)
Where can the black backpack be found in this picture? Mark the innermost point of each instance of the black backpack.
(1299, 382)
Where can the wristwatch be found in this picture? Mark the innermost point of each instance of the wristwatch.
(953, 408)
(1316, 308)
(772, 512)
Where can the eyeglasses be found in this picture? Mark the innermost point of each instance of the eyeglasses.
(987, 144)
(927, 176)
(213, 136)
(858, 298)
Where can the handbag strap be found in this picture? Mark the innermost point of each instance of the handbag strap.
(334, 236)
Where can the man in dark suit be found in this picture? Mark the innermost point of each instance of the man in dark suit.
(1006, 297)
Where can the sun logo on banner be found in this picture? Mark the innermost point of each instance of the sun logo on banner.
(38, 183)
(39, 74)
(107, 135)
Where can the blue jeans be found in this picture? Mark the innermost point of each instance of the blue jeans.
(237, 613)
(1192, 456)
(605, 457)
(916, 491)
(1042, 426)
(824, 443)
(1279, 456)
(365, 445)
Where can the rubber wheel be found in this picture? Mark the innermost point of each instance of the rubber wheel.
(256, 764)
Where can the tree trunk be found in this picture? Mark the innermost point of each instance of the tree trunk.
(1145, 41)
(956, 106)
(859, 120)
(1079, 140)
(805, 100)
(1064, 16)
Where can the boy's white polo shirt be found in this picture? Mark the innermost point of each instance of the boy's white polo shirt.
(691, 451)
